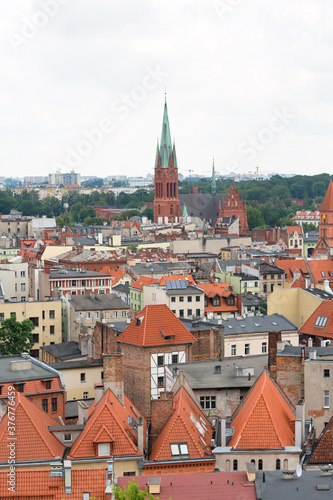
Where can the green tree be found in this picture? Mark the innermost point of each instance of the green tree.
(254, 217)
(132, 492)
(16, 336)
(263, 307)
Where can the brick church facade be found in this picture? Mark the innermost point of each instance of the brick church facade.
(169, 206)
(325, 240)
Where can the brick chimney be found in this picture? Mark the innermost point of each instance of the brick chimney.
(160, 412)
(113, 374)
(273, 339)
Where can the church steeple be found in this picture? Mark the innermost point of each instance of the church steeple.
(166, 144)
(213, 182)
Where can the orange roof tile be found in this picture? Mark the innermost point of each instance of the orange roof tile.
(327, 204)
(264, 418)
(213, 289)
(292, 229)
(108, 422)
(188, 278)
(143, 281)
(33, 440)
(292, 266)
(323, 452)
(187, 424)
(325, 310)
(156, 325)
(321, 270)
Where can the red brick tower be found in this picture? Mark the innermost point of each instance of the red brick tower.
(325, 240)
(166, 201)
(234, 206)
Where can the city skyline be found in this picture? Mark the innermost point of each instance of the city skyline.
(83, 86)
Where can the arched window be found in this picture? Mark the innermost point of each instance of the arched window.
(235, 465)
(278, 464)
(285, 464)
(159, 209)
(260, 464)
(253, 461)
(227, 465)
(171, 209)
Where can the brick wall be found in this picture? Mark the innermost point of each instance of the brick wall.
(104, 340)
(209, 344)
(273, 338)
(289, 376)
(37, 400)
(161, 410)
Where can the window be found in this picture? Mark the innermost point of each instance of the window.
(181, 299)
(67, 438)
(321, 321)
(181, 313)
(13, 314)
(179, 450)
(20, 387)
(35, 321)
(45, 405)
(208, 402)
(323, 274)
(54, 404)
(2, 316)
(82, 377)
(51, 314)
(35, 338)
(22, 287)
(115, 314)
(233, 350)
(265, 288)
(189, 312)
(189, 298)
(124, 314)
(73, 282)
(235, 465)
(231, 301)
(96, 315)
(160, 381)
(197, 298)
(173, 299)
(278, 464)
(247, 348)
(173, 310)
(285, 464)
(43, 314)
(15, 287)
(48, 384)
(264, 347)
(197, 312)
(272, 287)
(77, 316)
(88, 315)
(260, 464)
(129, 473)
(160, 360)
(216, 301)
(174, 358)
(85, 395)
(326, 399)
(326, 372)
(103, 449)
(22, 274)
(51, 329)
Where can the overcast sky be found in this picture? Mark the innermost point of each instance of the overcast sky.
(248, 83)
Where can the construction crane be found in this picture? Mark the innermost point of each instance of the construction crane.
(256, 172)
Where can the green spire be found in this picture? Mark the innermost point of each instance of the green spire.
(184, 213)
(174, 156)
(166, 145)
(157, 153)
(213, 183)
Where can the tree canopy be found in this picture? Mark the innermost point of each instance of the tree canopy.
(15, 336)
(132, 492)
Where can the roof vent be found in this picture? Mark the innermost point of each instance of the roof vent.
(154, 485)
(217, 369)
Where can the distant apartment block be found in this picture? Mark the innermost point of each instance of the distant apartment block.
(67, 179)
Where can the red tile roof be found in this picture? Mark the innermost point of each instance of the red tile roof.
(156, 325)
(321, 270)
(292, 229)
(327, 204)
(38, 485)
(187, 424)
(203, 486)
(292, 266)
(325, 309)
(213, 289)
(33, 439)
(188, 278)
(264, 418)
(108, 423)
(143, 281)
(323, 452)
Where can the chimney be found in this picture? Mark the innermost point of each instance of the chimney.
(221, 342)
(84, 345)
(99, 391)
(21, 364)
(298, 433)
(313, 354)
(3, 408)
(140, 433)
(273, 338)
(300, 417)
(310, 342)
(154, 485)
(113, 374)
(68, 477)
(327, 287)
(82, 409)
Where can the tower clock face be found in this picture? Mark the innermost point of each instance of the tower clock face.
(158, 172)
(171, 173)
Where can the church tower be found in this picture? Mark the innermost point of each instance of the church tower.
(166, 201)
(325, 240)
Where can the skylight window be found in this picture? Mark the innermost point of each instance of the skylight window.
(179, 450)
(323, 274)
(321, 321)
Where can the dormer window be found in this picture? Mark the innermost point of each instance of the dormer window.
(179, 450)
(103, 449)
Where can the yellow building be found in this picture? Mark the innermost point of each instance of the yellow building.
(80, 376)
(45, 315)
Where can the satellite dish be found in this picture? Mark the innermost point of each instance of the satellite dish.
(299, 470)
